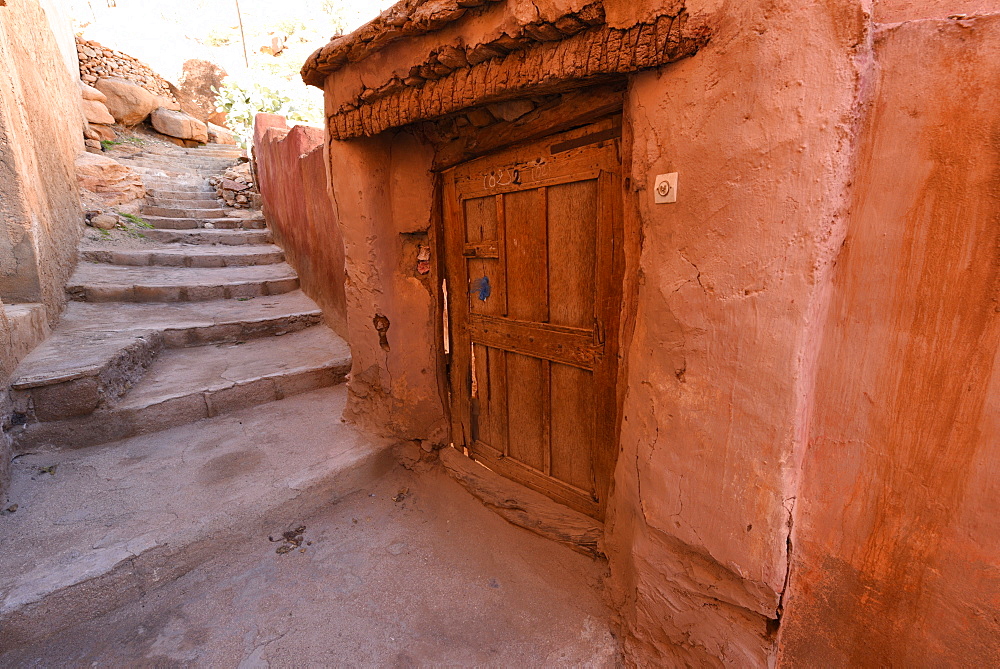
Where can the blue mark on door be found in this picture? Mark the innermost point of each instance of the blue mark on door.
(482, 288)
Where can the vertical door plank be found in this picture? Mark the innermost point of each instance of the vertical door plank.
(481, 225)
(608, 302)
(459, 370)
(573, 424)
(572, 222)
(502, 246)
(491, 396)
(526, 409)
(497, 371)
(527, 271)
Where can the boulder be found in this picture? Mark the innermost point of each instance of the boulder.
(96, 112)
(219, 118)
(194, 89)
(129, 103)
(167, 103)
(100, 132)
(104, 222)
(180, 125)
(219, 135)
(91, 93)
(105, 182)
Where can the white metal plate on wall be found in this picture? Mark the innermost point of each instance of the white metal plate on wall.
(665, 188)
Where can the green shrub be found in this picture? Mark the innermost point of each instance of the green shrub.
(243, 100)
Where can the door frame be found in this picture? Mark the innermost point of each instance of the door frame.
(610, 304)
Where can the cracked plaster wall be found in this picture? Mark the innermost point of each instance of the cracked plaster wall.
(730, 280)
(896, 534)
(40, 135)
(744, 361)
(41, 132)
(383, 196)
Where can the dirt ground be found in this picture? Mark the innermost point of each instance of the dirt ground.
(410, 572)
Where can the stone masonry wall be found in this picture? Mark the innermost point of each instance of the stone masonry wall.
(98, 61)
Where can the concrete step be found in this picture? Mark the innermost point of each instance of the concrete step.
(205, 236)
(183, 385)
(114, 523)
(188, 205)
(93, 282)
(98, 351)
(172, 255)
(224, 223)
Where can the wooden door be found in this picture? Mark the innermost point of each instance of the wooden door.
(534, 285)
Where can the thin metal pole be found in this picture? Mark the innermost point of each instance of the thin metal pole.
(243, 36)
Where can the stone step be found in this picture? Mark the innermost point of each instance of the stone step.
(114, 523)
(184, 211)
(169, 173)
(173, 173)
(184, 385)
(210, 151)
(94, 282)
(190, 184)
(164, 203)
(186, 160)
(170, 255)
(100, 350)
(226, 223)
(199, 162)
(28, 327)
(198, 195)
(205, 236)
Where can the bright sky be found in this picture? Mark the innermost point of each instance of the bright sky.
(164, 34)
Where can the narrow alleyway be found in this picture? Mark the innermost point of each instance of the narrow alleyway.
(185, 411)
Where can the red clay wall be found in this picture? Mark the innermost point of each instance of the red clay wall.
(896, 540)
(761, 340)
(384, 193)
(291, 172)
(730, 278)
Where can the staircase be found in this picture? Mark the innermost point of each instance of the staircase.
(205, 319)
(201, 321)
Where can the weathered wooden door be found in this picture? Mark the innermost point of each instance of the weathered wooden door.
(534, 285)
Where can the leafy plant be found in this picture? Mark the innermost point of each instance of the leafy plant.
(289, 26)
(108, 143)
(243, 100)
(220, 37)
(137, 221)
(134, 223)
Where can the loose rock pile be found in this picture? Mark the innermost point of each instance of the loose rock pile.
(236, 187)
(97, 61)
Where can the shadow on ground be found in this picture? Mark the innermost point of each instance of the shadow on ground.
(412, 571)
